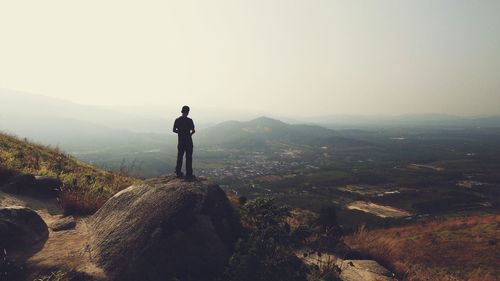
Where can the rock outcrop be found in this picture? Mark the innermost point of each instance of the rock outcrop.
(37, 186)
(22, 231)
(350, 270)
(364, 270)
(165, 229)
(64, 223)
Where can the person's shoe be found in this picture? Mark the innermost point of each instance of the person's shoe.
(179, 175)
(190, 177)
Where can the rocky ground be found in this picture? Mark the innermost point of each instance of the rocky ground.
(65, 249)
(163, 227)
(177, 224)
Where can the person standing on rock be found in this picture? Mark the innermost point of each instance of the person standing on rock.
(184, 128)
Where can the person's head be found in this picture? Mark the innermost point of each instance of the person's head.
(185, 110)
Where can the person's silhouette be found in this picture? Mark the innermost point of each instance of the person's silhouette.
(184, 128)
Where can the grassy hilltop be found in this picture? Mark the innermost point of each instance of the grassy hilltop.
(85, 187)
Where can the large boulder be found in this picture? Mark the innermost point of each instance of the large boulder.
(22, 231)
(165, 229)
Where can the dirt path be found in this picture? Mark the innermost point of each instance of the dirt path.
(64, 250)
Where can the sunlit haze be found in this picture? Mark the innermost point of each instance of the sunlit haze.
(293, 58)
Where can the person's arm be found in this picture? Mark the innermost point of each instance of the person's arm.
(175, 129)
(192, 127)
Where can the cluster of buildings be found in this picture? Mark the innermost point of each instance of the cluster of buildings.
(247, 166)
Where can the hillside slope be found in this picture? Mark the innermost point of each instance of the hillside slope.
(453, 249)
(82, 183)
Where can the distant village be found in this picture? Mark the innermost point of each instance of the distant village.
(257, 164)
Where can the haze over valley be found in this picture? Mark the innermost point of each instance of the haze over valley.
(389, 161)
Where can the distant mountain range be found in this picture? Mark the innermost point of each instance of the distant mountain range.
(15, 104)
(83, 128)
(414, 120)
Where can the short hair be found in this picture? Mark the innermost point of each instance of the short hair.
(185, 109)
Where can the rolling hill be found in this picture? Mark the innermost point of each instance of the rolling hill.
(76, 127)
(264, 132)
(15, 104)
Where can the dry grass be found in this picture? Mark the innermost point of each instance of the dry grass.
(75, 202)
(85, 187)
(301, 217)
(453, 249)
(323, 267)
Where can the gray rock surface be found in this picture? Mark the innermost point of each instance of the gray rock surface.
(164, 229)
(22, 230)
(64, 223)
(364, 270)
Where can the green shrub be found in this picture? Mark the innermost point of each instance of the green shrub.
(265, 253)
(327, 229)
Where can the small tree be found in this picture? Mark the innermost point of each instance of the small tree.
(328, 230)
(264, 253)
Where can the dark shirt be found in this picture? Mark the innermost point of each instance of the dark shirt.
(184, 127)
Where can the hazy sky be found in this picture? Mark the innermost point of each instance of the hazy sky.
(295, 58)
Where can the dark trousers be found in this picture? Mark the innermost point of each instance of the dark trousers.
(181, 149)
